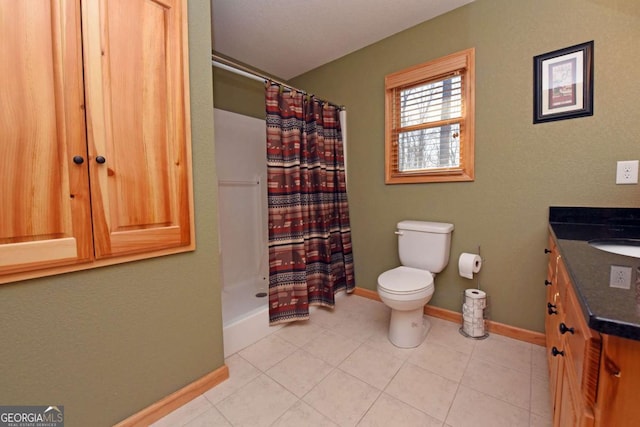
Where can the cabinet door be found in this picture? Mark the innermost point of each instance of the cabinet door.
(565, 414)
(619, 382)
(139, 150)
(44, 214)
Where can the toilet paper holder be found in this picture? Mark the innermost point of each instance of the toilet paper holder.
(469, 265)
(475, 310)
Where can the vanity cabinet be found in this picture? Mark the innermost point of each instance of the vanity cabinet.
(94, 122)
(570, 344)
(594, 377)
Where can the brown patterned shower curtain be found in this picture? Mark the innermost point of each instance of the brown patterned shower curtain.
(310, 256)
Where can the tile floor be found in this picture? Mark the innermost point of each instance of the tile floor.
(339, 369)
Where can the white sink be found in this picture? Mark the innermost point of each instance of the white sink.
(628, 247)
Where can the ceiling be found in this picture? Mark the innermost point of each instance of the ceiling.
(286, 38)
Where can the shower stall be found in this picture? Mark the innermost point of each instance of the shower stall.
(243, 228)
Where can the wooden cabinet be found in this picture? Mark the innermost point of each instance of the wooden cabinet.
(573, 350)
(45, 211)
(95, 154)
(554, 314)
(594, 378)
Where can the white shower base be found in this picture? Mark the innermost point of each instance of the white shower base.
(245, 317)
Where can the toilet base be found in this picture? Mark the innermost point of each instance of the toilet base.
(408, 329)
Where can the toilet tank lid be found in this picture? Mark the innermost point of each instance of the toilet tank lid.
(426, 226)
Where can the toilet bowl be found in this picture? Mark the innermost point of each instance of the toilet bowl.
(423, 248)
(406, 290)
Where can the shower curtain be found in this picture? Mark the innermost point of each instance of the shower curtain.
(310, 256)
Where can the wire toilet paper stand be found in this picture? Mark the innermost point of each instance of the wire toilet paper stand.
(475, 312)
(477, 323)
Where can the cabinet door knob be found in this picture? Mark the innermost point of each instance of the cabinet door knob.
(78, 160)
(547, 251)
(100, 159)
(564, 329)
(551, 310)
(547, 282)
(549, 305)
(555, 352)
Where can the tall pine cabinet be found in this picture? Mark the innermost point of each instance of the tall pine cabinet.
(95, 151)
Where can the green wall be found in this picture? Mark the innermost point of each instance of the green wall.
(238, 94)
(521, 168)
(106, 343)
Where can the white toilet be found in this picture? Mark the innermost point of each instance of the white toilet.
(424, 250)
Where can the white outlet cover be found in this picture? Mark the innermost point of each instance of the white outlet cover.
(620, 277)
(627, 172)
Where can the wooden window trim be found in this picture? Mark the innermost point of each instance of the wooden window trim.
(462, 62)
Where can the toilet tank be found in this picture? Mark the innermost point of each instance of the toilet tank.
(424, 245)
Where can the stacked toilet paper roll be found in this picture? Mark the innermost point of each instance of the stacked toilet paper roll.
(475, 302)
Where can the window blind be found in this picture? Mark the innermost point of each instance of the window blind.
(427, 124)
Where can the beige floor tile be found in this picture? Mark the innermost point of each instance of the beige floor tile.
(208, 419)
(505, 351)
(440, 360)
(540, 396)
(388, 411)
(359, 326)
(342, 398)
(448, 334)
(474, 409)
(240, 373)
(370, 308)
(539, 363)
(331, 347)
(328, 318)
(540, 421)
(300, 372)
(380, 341)
(299, 333)
(259, 403)
(503, 383)
(372, 366)
(423, 390)
(302, 414)
(185, 413)
(267, 352)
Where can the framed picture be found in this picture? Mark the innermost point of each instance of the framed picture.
(563, 84)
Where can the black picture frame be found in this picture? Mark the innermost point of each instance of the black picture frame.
(563, 84)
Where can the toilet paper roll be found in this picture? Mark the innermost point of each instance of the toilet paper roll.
(471, 311)
(474, 304)
(473, 329)
(473, 321)
(475, 294)
(475, 298)
(473, 317)
(468, 264)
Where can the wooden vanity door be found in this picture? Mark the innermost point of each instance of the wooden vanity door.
(44, 213)
(618, 383)
(136, 124)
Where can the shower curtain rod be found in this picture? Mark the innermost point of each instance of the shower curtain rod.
(229, 65)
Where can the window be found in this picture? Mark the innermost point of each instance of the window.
(429, 119)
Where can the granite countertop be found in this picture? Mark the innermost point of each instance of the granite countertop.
(609, 310)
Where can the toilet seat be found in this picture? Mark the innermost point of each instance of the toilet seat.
(405, 281)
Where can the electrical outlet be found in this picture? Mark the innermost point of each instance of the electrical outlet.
(627, 172)
(620, 277)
